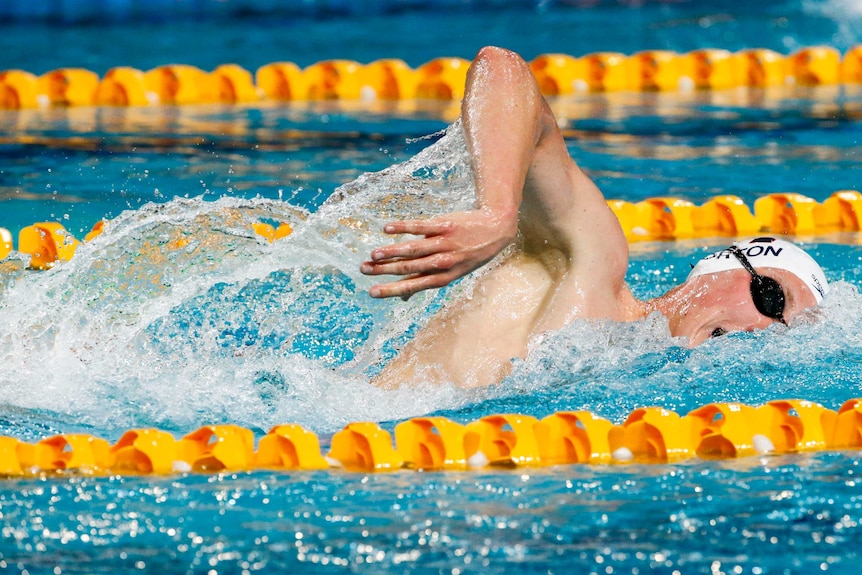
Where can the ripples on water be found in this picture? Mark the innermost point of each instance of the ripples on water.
(795, 514)
(178, 315)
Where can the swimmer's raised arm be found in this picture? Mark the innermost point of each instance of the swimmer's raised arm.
(524, 178)
(501, 117)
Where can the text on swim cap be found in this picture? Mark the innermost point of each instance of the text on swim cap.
(750, 251)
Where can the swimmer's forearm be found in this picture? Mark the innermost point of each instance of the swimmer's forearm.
(502, 116)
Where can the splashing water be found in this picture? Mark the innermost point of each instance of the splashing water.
(178, 315)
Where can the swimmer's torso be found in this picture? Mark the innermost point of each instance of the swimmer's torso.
(474, 340)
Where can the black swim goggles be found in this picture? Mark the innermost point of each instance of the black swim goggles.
(766, 293)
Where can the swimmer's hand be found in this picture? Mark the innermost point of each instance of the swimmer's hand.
(452, 246)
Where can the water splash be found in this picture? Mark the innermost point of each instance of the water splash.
(178, 315)
(845, 14)
(837, 10)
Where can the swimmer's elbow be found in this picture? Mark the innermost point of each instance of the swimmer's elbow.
(501, 64)
(496, 56)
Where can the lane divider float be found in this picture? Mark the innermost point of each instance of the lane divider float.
(442, 78)
(49, 243)
(668, 218)
(653, 219)
(647, 435)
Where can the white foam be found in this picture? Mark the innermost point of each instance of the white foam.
(132, 330)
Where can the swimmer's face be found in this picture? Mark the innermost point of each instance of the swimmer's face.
(722, 303)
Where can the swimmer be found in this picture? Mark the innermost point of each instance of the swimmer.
(570, 255)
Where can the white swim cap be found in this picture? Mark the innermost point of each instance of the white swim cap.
(768, 252)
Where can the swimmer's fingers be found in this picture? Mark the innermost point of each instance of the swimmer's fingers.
(453, 245)
(411, 285)
(435, 263)
(409, 250)
(430, 227)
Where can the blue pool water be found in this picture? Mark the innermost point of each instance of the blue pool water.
(230, 329)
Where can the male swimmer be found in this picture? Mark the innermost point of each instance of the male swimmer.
(570, 255)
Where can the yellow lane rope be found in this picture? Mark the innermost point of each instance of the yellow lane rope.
(653, 219)
(648, 435)
(441, 79)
